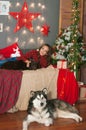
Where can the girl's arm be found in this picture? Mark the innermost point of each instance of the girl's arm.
(43, 62)
(26, 56)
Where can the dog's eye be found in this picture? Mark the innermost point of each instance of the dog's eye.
(40, 97)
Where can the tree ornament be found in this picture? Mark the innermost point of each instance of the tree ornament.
(24, 18)
(45, 29)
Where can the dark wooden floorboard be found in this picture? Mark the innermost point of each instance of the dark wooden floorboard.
(14, 121)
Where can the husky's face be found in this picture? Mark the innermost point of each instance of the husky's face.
(39, 99)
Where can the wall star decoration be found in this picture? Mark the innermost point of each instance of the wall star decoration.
(24, 18)
(45, 29)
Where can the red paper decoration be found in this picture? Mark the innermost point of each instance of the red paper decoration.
(24, 18)
(45, 29)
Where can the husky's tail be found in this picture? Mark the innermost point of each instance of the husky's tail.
(65, 106)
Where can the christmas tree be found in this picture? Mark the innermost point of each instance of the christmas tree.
(75, 58)
(69, 45)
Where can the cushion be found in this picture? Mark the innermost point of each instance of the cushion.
(2, 57)
(10, 51)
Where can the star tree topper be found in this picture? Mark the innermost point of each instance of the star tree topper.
(24, 18)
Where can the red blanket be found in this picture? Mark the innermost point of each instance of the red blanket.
(67, 86)
(10, 82)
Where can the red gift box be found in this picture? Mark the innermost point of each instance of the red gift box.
(62, 64)
(82, 92)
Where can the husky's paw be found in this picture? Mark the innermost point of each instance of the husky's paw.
(24, 125)
(78, 119)
(24, 128)
(48, 122)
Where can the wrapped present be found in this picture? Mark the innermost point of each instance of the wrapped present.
(82, 89)
(62, 64)
(83, 73)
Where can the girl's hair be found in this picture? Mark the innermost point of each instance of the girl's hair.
(49, 53)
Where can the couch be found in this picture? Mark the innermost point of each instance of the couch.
(60, 83)
(15, 86)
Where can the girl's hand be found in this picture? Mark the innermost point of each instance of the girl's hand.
(27, 63)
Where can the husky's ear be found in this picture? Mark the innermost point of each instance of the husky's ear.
(32, 93)
(45, 90)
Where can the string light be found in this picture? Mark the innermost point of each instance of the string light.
(41, 19)
(22, 44)
(7, 29)
(32, 5)
(31, 40)
(40, 40)
(16, 39)
(38, 27)
(43, 6)
(10, 5)
(8, 40)
(9, 17)
(17, 4)
(17, 16)
(39, 4)
(24, 32)
(25, 8)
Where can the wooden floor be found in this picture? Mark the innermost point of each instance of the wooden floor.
(14, 121)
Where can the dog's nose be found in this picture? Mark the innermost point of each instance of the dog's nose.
(42, 104)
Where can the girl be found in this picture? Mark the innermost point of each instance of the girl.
(41, 55)
(32, 60)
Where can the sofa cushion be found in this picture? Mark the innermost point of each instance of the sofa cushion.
(10, 51)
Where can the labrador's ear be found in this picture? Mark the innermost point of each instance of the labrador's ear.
(45, 90)
(32, 93)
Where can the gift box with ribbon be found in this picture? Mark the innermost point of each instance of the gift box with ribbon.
(62, 64)
(82, 92)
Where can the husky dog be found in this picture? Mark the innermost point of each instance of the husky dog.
(44, 111)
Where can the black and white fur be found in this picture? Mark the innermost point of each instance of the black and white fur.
(44, 111)
(20, 65)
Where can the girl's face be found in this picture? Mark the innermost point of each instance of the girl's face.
(44, 50)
